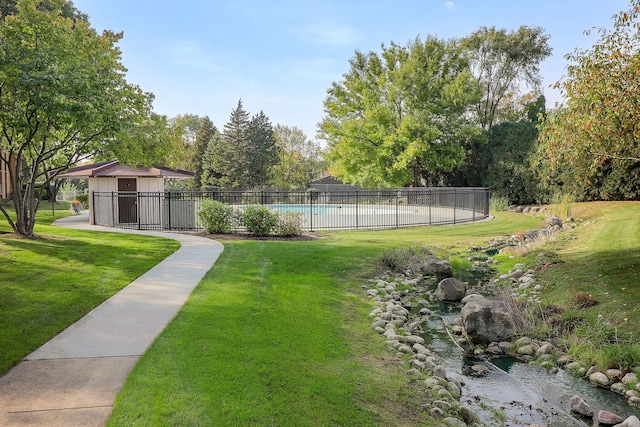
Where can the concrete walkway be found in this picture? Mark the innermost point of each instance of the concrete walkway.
(73, 379)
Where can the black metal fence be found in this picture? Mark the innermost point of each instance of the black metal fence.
(323, 210)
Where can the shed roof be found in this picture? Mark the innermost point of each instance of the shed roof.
(114, 169)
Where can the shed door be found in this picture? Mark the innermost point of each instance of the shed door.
(127, 203)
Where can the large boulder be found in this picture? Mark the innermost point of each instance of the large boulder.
(451, 290)
(486, 320)
(433, 266)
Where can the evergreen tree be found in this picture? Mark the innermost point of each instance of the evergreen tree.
(211, 177)
(203, 137)
(229, 161)
(261, 154)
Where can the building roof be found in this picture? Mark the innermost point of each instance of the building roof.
(114, 169)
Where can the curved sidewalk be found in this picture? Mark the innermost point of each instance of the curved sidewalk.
(73, 379)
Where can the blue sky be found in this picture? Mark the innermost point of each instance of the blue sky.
(281, 56)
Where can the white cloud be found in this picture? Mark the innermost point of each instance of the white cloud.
(330, 34)
(449, 5)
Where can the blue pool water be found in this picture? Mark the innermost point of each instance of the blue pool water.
(306, 209)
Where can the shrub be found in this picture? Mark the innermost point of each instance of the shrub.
(259, 220)
(498, 203)
(289, 224)
(84, 199)
(403, 259)
(561, 204)
(216, 217)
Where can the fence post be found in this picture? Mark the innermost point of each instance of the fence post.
(473, 210)
(138, 208)
(455, 204)
(397, 197)
(113, 210)
(430, 202)
(311, 210)
(93, 205)
(168, 200)
(357, 213)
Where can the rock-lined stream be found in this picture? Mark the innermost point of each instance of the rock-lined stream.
(508, 393)
(519, 394)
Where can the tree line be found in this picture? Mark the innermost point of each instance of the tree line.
(470, 112)
(464, 112)
(249, 152)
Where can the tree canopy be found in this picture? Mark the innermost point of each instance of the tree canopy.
(501, 62)
(298, 158)
(242, 156)
(601, 119)
(591, 144)
(63, 97)
(400, 116)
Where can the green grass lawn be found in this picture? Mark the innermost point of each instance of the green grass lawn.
(277, 334)
(49, 282)
(602, 258)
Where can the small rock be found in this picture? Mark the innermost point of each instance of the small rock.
(630, 378)
(444, 405)
(479, 370)
(580, 407)
(414, 339)
(436, 413)
(634, 400)
(468, 415)
(632, 421)
(453, 422)
(608, 418)
(451, 289)
(525, 350)
(618, 388)
(440, 372)
(419, 348)
(379, 323)
(544, 349)
(522, 341)
(444, 394)
(505, 345)
(614, 374)
(600, 379)
(431, 382)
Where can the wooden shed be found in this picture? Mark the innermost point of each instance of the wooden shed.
(124, 183)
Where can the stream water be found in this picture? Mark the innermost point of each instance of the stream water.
(519, 394)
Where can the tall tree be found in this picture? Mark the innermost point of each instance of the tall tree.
(202, 140)
(63, 97)
(599, 123)
(261, 150)
(187, 127)
(400, 117)
(501, 62)
(298, 158)
(506, 159)
(229, 161)
(211, 177)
